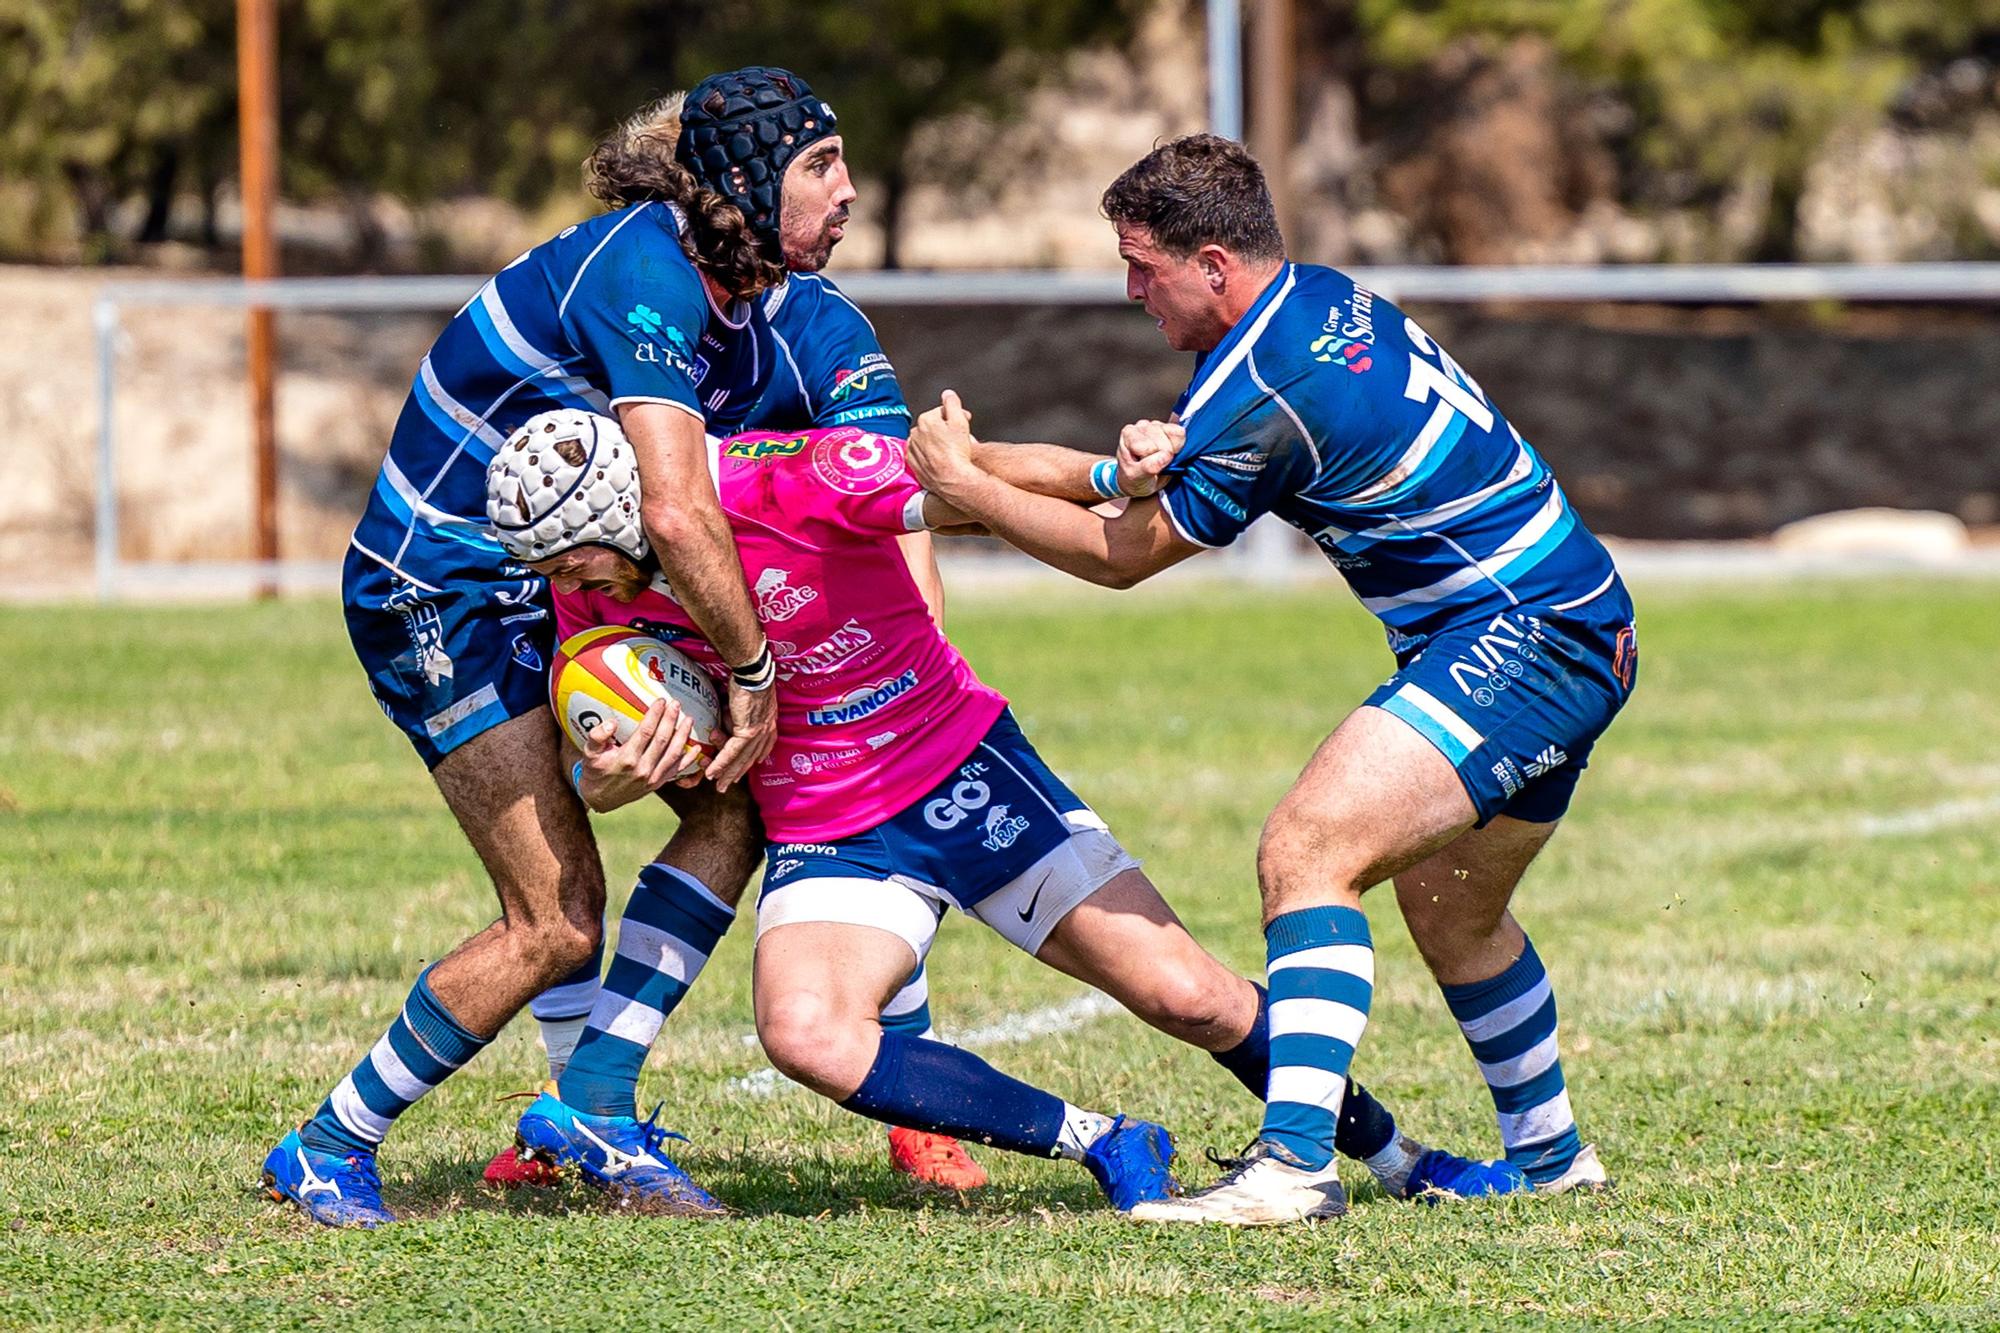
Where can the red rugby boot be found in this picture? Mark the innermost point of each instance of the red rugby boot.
(510, 1170)
(935, 1159)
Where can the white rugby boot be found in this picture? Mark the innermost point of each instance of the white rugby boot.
(1261, 1189)
(1585, 1173)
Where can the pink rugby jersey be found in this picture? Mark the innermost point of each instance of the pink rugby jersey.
(875, 707)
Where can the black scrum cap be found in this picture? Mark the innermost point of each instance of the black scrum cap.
(739, 129)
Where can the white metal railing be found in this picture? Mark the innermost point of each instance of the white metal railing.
(1266, 552)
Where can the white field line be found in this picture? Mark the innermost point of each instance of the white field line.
(1928, 818)
(1047, 1022)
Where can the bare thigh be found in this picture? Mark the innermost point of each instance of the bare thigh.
(506, 789)
(1127, 942)
(1375, 799)
(1455, 900)
(720, 839)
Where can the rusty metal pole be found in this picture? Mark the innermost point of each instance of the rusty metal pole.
(1273, 98)
(257, 141)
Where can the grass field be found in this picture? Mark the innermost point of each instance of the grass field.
(1773, 921)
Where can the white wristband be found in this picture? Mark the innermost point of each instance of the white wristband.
(1104, 479)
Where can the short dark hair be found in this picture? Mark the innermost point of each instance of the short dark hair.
(1200, 189)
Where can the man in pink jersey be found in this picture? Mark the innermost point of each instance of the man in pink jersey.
(899, 786)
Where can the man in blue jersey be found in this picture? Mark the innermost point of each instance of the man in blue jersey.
(827, 368)
(1320, 402)
(648, 311)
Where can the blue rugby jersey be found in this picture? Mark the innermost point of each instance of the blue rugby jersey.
(610, 311)
(1330, 408)
(829, 368)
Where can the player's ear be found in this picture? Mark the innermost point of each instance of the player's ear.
(1214, 263)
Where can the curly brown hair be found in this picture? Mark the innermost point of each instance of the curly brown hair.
(635, 163)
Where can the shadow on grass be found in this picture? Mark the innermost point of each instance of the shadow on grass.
(802, 1186)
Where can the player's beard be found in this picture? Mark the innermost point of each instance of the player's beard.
(815, 258)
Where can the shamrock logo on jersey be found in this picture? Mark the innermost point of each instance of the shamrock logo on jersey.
(644, 318)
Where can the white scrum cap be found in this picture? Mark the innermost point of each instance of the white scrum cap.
(565, 478)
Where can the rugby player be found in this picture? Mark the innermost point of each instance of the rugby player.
(1316, 400)
(899, 786)
(757, 137)
(648, 311)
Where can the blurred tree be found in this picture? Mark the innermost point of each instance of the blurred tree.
(1725, 94)
(101, 100)
(891, 67)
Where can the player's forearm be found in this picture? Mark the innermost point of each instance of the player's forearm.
(689, 535)
(697, 553)
(1056, 532)
(1044, 469)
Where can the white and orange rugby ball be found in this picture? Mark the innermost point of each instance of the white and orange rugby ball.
(614, 672)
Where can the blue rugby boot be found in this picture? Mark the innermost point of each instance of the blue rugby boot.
(1439, 1175)
(614, 1152)
(1131, 1160)
(332, 1189)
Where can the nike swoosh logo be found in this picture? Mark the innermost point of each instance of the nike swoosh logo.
(1028, 913)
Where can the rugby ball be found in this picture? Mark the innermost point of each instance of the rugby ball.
(615, 672)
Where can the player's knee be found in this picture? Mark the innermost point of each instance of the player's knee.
(559, 946)
(1189, 1006)
(810, 1040)
(1304, 851)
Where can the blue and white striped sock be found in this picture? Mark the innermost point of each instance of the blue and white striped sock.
(1510, 1023)
(1321, 973)
(909, 1010)
(670, 927)
(564, 1008)
(421, 1049)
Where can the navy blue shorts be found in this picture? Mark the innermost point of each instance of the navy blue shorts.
(450, 663)
(982, 827)
(1516, 702)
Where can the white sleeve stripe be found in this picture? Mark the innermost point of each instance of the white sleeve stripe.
(694, 412)
(1167, 503)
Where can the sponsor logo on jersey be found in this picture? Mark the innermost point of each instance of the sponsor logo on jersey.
(1493, 663)
(778, 598)
(1002, 829)
(1625, 659)
(439, 723)
(526, 654)
(843, 645)
(1248, 461)
(857, 463)
(854, 414)
(805, 849)
(1213, 494)
(860, 703)
(967, 797)
(649, 326)
(426, 631)
(1348, 332)
(785, 867)
(659, 629)
(757, 451)
(847, 381)
(1509, 776)
(1355, 355)
(804, 764)
(1550, 759)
